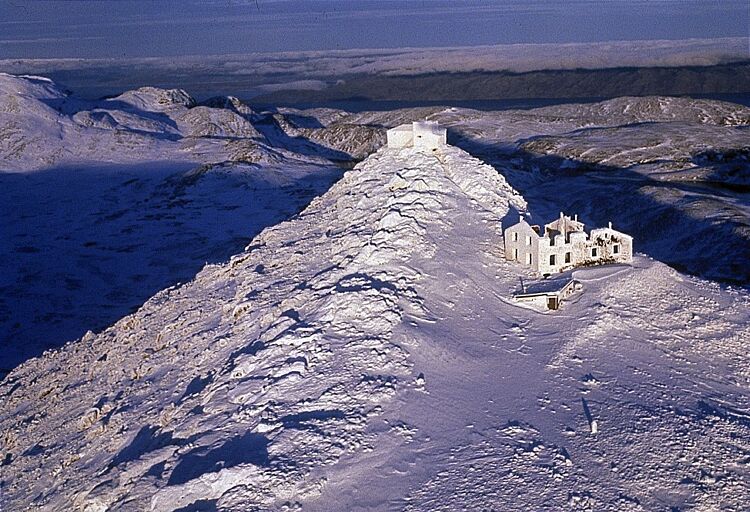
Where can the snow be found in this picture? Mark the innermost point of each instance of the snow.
(114, 203)
(74, 263)
(426, 135)
(365, 353)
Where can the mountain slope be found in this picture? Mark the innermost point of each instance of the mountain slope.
(366, 355)
(107, 202)
(44, 127)
(673, 172)
(284, 352)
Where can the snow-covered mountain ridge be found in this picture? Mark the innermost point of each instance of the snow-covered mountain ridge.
(285, 351)
(107, 202)
(363, 352)
(673, 172)
(365, 355)
(43, 127)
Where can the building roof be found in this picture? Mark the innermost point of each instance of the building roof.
(406, 127)
(563, 225)
(546, 286)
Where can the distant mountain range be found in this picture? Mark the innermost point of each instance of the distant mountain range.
(529, 71)
(720, 79)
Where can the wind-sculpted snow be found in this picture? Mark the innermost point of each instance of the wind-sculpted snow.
(654, 358)
(106, 202)
(233, 388)
(94, 241)
(366, 353)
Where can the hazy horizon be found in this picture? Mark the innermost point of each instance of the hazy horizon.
(125, 29)
(256, 74)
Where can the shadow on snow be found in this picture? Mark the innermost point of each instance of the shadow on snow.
(83, 247)
(692, 226)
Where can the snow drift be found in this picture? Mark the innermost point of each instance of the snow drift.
(236, 385)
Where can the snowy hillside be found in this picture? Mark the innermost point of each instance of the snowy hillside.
(44, 127)
(105, 203)
(366, 355)
(268, 332)
(673, 172)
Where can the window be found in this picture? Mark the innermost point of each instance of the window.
(515, 254)
(567, 257)
(552, 259)
(515, 237)
(616, 249)
(594, 252)
(552, 241)
(529, 259)
(528, 240)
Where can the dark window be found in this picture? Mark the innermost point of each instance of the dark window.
(594, 252)
(567, 257)
(616, 249)
(552, 259)
(552, 241)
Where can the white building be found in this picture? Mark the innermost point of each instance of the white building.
(564, 244)
(419, 134)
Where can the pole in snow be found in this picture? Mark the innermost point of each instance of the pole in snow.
(593, 426)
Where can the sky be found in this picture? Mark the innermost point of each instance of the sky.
(31, 29)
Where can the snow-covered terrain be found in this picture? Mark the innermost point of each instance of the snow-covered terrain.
(365, 353)
(673, 172)
(105, 203)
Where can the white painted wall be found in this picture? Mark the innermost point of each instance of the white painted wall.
(420, 134)
(401, 136)
(429, 135)
(521, 244)
(552, 255)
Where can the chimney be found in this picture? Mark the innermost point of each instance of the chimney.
(610, 225)
(575, 217)
(520, 218)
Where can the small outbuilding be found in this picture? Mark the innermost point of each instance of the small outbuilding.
(419, 134)
(549, 293)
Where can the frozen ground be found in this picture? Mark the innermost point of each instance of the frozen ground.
(673, 172)
(365, 355)
(87, 245)
(106, 203)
